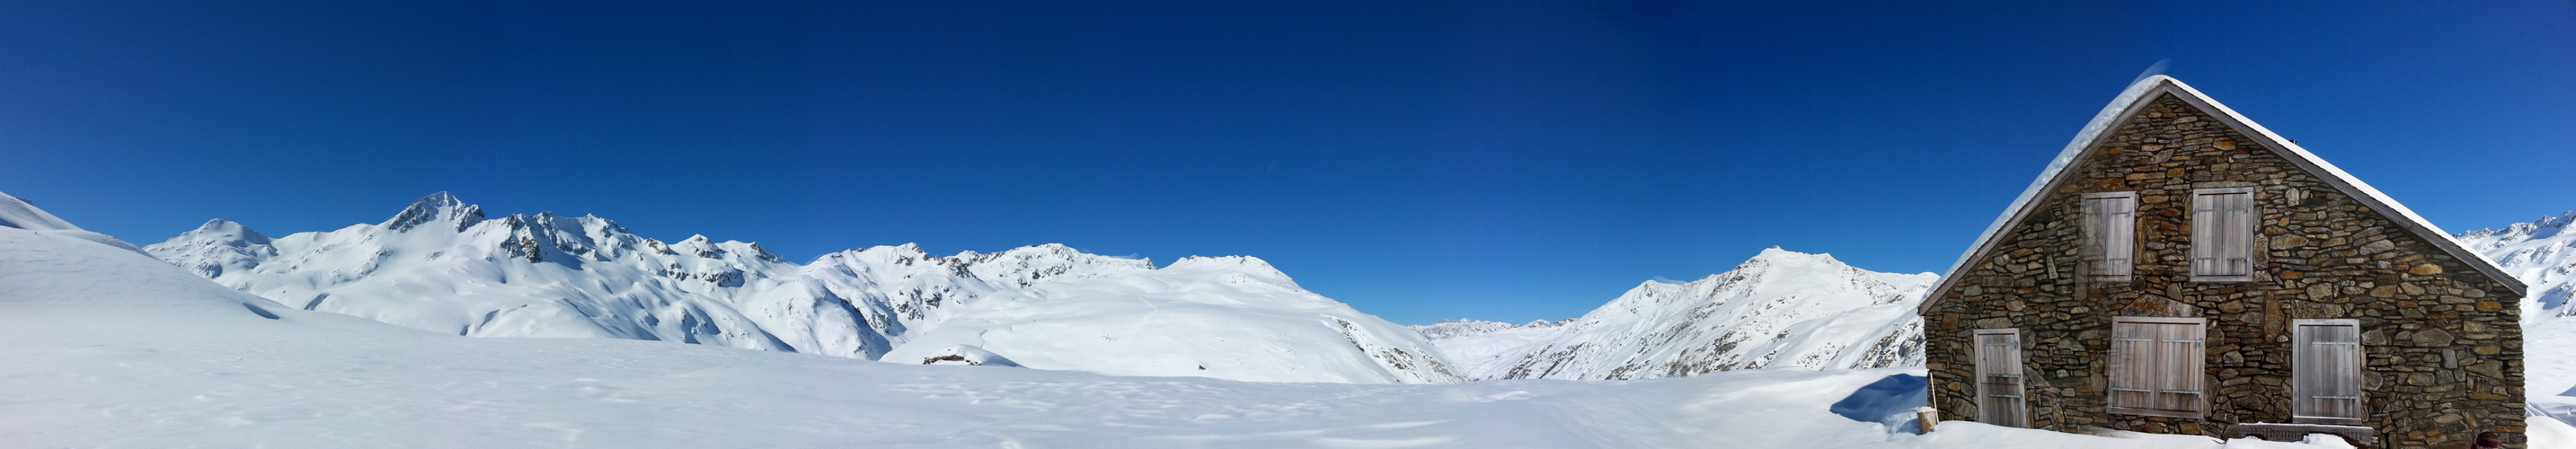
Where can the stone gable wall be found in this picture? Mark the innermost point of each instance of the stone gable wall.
(2442, 341)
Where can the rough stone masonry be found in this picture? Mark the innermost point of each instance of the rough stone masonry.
(2443, 350)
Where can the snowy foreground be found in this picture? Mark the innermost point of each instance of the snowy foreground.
(111, 348)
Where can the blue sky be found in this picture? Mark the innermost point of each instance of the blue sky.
(1505, 160)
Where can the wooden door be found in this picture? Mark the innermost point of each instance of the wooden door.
(1999, 380)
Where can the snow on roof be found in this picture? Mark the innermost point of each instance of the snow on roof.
(2128, 103)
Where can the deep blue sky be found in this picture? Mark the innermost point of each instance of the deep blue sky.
(1505, 160)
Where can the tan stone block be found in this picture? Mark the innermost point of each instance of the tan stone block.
(2426, 269)
(2490, 306)
(2384, 291)
(2491, 369)
(2431, 338)
(2288, 241)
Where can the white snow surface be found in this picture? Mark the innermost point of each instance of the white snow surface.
(18, 213)
(1474, 347)
(1779, 309)
(440, 265)
(1470, 327)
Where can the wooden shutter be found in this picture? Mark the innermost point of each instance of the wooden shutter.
(2222, 234)
(2156, 365)
(1999, 380)
(2325, 371)
(2110, 230)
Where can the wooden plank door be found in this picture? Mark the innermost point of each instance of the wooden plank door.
(1999, 379)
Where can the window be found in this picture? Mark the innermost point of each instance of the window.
(2110, 230)
(2325, 371)
(1999, 381)
(2156, 366)
(2222, 234)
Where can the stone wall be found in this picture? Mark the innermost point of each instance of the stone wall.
(2442, 341)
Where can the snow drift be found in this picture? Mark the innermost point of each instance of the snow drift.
(442, 265)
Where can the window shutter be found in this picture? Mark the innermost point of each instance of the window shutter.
(2179, 356)
(2325, 371)
(2204, 241)
(2131, 355)
(2110, 222)
(2237, 252)
(2121, 219)
(2157, 365)
(1999, 380)
(2222, 234)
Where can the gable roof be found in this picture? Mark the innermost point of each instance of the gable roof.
(2135, 99)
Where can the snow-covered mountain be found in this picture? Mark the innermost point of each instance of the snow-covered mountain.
(2540, 253)
(1477, 346)
(1470, 327)
(1779, 309)
(2543, 255)
(441, 265)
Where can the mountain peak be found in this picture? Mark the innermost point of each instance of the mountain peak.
(440, 207)
(228, 230)
(1776, 255)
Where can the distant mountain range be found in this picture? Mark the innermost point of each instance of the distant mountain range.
(1779, 309)
(442, 265)
(2542, 254)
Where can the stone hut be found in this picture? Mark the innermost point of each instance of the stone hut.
(2181, 269)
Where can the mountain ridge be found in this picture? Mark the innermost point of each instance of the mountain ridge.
(442, 265)
(1777, 308)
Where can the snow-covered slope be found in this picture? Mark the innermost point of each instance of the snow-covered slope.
(1470, 327)
(1229, 317)
(1478, 346)
(1779, 309)
(2543, 254)
(2540, 253)
(21, 215)
(443, 266)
